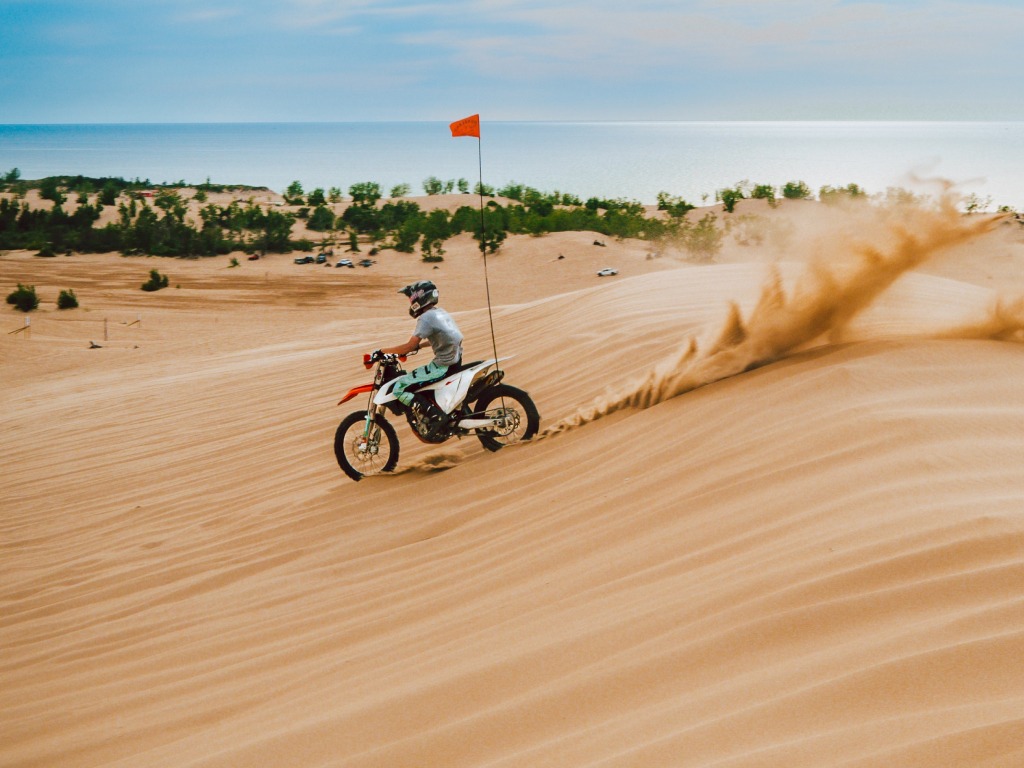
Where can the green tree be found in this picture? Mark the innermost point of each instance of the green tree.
(705, 239)
(764, 192)
(156, 281)
(436, 230)
(731, 196)
(294, 195)
(829, 194)
(23, 298)
(12, 176)
(676, 207)
(365, 193)
(67, 300)
(316, 197)
(493, 234)
(796, 190)
(334, 195)
(321, 219)
(109, 193)
(49, 189)
(433, 185)
(400, 190)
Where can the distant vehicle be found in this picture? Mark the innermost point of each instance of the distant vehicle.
(304, 260)
(254, 257)
(366, 263)
(321, 258)
(345, 263)
(607, 272)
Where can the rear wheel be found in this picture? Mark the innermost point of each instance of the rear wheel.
(361, 454)
(517, 411)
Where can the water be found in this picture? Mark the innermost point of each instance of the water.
(635, 161)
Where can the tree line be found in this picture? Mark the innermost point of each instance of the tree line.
(161, 226)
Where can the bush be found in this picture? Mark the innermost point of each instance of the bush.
(829, 194)
(156, 281)
(67, 300)
(796, 190)
(24, 298)
(730, 197)
(764, 192)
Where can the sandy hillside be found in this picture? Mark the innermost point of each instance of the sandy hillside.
(776, 516)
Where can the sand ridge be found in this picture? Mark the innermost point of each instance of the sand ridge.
(801, 546)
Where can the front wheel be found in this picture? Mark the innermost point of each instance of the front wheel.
(363, 452)
(517, 412)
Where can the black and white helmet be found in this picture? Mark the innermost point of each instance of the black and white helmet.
(422, 296)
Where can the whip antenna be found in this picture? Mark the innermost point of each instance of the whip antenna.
(470, 126)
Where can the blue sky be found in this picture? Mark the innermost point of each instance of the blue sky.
(70, 61)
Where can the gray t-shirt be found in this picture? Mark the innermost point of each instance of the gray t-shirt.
(439, 328)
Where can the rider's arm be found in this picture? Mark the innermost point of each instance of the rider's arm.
(414, 343)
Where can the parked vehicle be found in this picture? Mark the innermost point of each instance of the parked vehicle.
(304, 260)
(321, 258)
(367, 263)
(607, 272)
(345, 263)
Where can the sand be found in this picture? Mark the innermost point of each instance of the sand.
(775, 517)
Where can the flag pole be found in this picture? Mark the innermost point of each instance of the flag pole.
(470, 126)
(483, 251)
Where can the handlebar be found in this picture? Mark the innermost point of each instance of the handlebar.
(370, 360)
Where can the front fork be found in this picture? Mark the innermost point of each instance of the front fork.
(371, 418)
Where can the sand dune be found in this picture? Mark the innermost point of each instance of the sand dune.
(775, 519)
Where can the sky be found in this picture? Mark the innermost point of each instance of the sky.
(153, 61)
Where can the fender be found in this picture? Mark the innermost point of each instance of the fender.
(360, 390)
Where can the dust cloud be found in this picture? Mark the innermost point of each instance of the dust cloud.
(870, 249)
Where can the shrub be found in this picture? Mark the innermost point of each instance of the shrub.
(764, 192)
(796, 190)
(156, 281)
(705, 239)
(24, 298)
(67, 300)
(321, 219)
(830, 194)
(730, 197)
(675, 206)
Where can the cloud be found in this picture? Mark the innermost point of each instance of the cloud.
(655, 58)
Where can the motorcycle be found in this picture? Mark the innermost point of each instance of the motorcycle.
(470, 400)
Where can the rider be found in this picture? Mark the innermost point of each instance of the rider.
(434, 328)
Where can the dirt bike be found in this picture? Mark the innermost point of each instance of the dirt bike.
(470, 400)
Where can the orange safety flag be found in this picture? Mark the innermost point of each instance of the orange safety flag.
(467, 126)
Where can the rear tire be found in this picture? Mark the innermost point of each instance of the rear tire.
(359, 458)
(525, 420)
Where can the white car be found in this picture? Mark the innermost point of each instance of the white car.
(607, 272)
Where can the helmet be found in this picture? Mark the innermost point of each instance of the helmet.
(422, 296)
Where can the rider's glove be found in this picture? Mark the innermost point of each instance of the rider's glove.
(376, 355)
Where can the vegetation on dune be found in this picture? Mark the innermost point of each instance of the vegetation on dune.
(23, 298)
(67, 300)
(156, 281)
(156, 219)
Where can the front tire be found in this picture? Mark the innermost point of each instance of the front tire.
(360, 455)
(522, 416)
